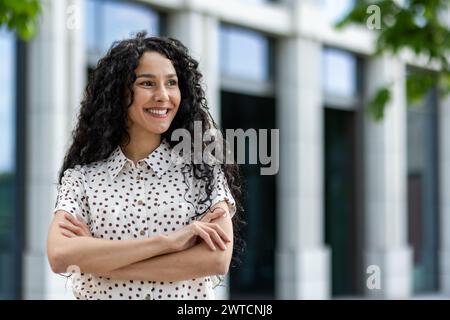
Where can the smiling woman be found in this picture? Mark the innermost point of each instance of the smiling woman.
(156, 101)
(133, 223)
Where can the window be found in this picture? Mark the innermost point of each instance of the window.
(340, 73)
(423, 190)
(10, 250)
(244, 54)
(254, 277)
(342, 172)
(7, 101)
(108, 21)
(247, 101)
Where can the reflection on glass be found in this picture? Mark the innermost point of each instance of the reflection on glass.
(423, 190)
(7, 165)
(334, 10)
(7, 101)
(108, 21)
(339, 73)
(244, 53)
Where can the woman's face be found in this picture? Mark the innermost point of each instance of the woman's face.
(156, 96)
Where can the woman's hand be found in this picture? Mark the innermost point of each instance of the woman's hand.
(213, 214)
(74, 227)
(209, 232)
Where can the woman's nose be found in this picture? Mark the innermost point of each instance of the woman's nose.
(161, 94)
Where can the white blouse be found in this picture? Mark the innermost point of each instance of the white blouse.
(120, 200)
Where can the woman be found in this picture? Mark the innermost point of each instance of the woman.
(132, 222)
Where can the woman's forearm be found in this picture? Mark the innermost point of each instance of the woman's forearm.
(92, 255)
(197, 261)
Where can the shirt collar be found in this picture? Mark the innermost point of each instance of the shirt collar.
(159, 160)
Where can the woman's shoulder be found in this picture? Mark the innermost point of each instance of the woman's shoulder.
(85, 170)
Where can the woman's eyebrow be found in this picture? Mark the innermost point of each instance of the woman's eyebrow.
(149, 75)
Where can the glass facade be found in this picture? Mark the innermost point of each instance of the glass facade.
(244, 54)
(339, 74)
(342, 172)
(254, 277)
(8, 236)
(423, 191)
(108, 21)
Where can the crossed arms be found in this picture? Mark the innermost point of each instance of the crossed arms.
(200, 249)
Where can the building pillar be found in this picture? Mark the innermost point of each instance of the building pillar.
(302, 259)
(386, 220)
(53, 59)
(200, 33)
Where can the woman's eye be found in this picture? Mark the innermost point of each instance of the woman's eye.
(172, 82)
(147, 83)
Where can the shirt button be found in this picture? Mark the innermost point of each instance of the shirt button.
(142, 232)
(140, 202)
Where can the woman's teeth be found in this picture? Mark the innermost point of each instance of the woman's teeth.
(157, 111)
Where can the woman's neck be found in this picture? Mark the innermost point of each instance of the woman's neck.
(139, 148)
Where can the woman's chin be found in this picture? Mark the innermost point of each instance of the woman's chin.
(159, 129)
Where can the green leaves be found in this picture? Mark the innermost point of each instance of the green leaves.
(20, 16)
(377, 104)
(418, 83)
(417, 26)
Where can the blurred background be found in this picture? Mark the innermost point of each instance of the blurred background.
(360, 207)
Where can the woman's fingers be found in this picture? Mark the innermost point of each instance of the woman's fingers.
(220, 231)
(198, 230)
(67, 233)
(71, 228)
(78, 222)
(214, 214)
(83, 224)
(217, 239)
(74, 220)
(210, 232)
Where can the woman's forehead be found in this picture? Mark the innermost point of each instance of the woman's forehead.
(155, 64)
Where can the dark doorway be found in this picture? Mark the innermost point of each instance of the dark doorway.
(254, 277)
(341, 194)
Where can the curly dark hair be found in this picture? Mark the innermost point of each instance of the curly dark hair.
(102, 120)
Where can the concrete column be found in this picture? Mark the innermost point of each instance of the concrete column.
(302, 259)
(54, 70)
(200, 33)
(444, 206)
(386, 221)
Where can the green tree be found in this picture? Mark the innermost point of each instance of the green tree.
(417, 25)
(20, 16)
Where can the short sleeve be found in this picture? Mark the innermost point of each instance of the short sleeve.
(71, 194)
(221, 191)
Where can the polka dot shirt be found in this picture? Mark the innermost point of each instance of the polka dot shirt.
(120, 200)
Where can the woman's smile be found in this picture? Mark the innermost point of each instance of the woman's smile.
(157, 112)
